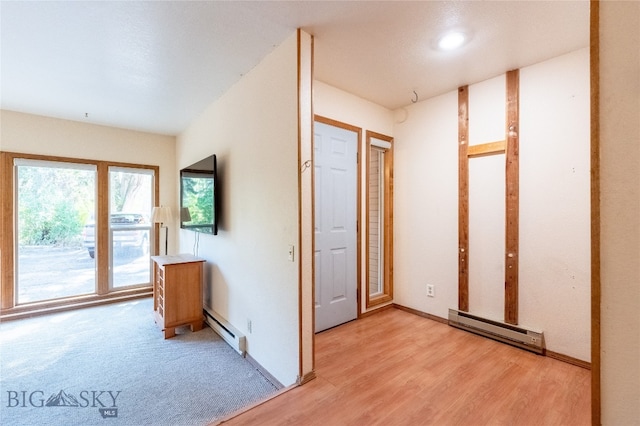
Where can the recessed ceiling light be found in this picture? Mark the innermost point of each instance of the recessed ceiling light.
(451, 40)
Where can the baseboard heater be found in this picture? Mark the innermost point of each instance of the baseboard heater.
(233, 337)
(517, 336)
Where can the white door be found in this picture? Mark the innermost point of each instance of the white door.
(335, 157)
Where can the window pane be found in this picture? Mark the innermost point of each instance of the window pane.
(55, 203)
(376, 217)
(131, 200)
(380, 218)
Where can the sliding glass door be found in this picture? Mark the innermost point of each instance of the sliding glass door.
(130, 203)
(55, 203)
(79, 229)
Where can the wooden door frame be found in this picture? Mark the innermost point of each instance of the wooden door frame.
(387, 248)
(596, 295)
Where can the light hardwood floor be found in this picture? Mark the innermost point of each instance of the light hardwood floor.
(396, 368)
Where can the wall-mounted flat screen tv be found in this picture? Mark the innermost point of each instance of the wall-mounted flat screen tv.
(199, 196)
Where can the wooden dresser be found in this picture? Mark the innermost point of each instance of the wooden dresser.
(177, 292)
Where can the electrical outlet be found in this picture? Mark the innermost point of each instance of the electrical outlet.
(431, 290)
(249, 326)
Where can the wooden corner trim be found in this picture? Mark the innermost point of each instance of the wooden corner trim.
(306, 378)
(596, 290)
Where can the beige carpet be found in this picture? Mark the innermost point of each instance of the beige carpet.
(110, 365)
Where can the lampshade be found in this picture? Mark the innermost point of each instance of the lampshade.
(161, 215)
(185, 216)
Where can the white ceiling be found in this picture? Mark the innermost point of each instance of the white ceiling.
(154, 66)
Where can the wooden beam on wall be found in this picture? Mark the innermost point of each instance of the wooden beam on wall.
(463, 198)
(490, 148)
(512, 199)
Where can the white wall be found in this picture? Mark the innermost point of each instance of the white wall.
(426, 206)
(253, 131)
(34, 134)
(555, 209)
(620, 211)
(339, 105)
(487, 111)
(554, 202)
